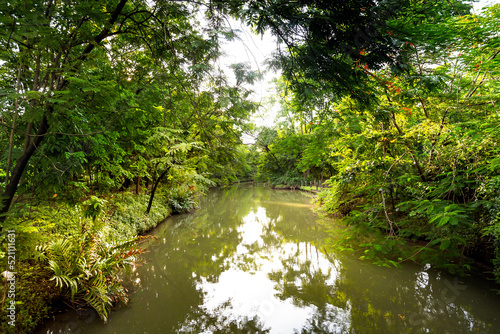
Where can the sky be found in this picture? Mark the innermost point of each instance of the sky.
(482, 3)
(253, 49)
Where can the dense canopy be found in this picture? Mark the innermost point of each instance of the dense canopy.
(392, 105)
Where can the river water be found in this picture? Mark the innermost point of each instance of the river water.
(256, 260)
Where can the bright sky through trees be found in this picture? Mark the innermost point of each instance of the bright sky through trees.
(254, 50)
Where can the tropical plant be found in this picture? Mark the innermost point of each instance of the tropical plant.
(414, 157)
(86, 267)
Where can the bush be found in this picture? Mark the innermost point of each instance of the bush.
(79, 253)
(86, 266)
(181, 200)
(127, 218)
(490, 190)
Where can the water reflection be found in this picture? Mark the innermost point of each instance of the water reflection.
(251, 286)
(253, 260)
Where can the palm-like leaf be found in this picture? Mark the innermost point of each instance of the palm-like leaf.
(87, 267)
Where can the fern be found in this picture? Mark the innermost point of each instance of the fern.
(97, 297)
(88, 266)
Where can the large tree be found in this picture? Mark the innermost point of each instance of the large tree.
(328, 41)
(86, 82)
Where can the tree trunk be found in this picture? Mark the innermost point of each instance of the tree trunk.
(22, 162)
(151, 197)
(17, 172)
(137, 182)
(11, 138)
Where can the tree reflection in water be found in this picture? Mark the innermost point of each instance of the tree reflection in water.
(254, 260)
(202, 321)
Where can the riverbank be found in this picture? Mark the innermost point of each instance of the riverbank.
(366, 243)
(116, 217)
(313, 190)
(254, 260)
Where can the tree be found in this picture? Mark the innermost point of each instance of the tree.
(90, 82)
(52, 44)
(322, 43)
(418, 161)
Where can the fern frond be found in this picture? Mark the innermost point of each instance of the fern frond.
(63, 280)
(41, 253)
(97, 297)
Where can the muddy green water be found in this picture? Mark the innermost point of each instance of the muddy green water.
(255, 260)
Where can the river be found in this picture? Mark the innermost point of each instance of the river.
(256, 260)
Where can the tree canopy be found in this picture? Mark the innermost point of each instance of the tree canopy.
(415, 157)
(86, 85)
(393, 105)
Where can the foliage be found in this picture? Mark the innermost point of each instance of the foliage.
(181, 200)
(323, 41)
(53, 233)
(97, 89)
(86, 266)
(93, 207)
(127, 218)
(35, 297)
(415, 167)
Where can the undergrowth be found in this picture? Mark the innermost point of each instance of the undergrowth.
(74, 254)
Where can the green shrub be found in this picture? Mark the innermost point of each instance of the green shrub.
(79, 253)
(490, 190)
(86, 266)
(181, 200)
(127, 218)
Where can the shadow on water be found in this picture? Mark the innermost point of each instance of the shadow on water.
(254, 260)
